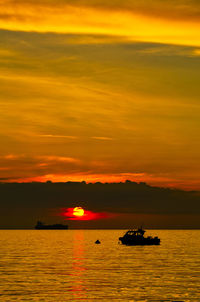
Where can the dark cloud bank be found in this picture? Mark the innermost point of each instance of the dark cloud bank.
(22, 204)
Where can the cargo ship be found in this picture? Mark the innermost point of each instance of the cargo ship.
(41, 226)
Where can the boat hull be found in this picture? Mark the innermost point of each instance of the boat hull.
(51, 228)
(139, 241)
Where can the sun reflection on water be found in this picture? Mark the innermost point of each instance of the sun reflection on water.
(78, 265)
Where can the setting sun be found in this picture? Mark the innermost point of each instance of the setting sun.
(78, 211)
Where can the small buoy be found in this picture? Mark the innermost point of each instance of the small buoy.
(97, 242)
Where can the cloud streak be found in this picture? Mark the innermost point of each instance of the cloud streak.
(102, 138)
(152, 23)
(57, 136)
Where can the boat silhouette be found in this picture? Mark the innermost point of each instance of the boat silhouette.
(136, 237)
(41, 226)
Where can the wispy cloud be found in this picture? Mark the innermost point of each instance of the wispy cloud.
(57, 136)
(149, 21)
(11, 156)
(196, 52)
(59, 159)
(102, 138)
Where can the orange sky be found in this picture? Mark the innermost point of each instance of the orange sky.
(100, 92)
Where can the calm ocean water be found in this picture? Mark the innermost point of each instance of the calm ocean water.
(68, 266)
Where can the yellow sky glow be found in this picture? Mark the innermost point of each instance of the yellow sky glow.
(84, 20)
(100, 92)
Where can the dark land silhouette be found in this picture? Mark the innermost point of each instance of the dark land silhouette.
(23, 204)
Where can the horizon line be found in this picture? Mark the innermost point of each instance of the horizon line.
(127, 181)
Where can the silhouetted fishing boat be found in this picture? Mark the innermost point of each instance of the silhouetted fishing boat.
(136, 237)
(41, 226)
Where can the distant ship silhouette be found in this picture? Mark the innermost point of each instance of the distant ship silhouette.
(41, 226)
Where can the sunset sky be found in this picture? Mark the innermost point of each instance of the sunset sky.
(100, 91)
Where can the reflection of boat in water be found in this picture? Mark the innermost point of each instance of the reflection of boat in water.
(42, 226)
(136, 237)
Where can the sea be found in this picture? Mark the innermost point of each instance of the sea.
(67, 265)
